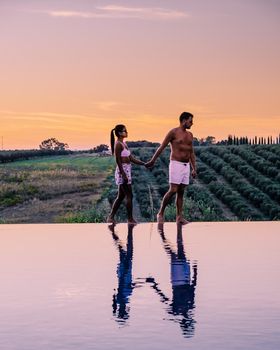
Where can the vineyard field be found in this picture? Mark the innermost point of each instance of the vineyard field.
(234, 183)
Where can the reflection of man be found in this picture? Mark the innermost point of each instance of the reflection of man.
(183, 288)
(182, 155)
(124, 273)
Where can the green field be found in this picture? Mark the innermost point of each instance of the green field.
(234, 183)
(52, 189)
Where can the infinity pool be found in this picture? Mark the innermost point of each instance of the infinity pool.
(88, 286)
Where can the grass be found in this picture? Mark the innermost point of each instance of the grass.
(81, 162)
(92, 215)
(59, 185)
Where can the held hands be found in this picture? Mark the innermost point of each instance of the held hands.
(149, 164)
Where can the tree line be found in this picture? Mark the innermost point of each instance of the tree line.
(234, 140)
(52, 146)
(244, 140)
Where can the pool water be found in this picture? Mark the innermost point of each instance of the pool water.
(90, 286)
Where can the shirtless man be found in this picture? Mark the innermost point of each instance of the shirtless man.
(181, 157)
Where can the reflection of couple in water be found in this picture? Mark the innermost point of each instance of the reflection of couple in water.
(183, 281)
(124, 273)
(181, 159)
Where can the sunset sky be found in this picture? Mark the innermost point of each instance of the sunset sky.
(73, 69)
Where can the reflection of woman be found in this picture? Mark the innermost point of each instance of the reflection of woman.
(183, 288)
(123, 172)
(124, 273)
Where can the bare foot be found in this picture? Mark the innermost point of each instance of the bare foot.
(160, 219)
(110, 220)
(180, 220)
(111, 227)
(132, 222)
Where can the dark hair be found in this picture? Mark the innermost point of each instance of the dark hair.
(185, 116)
(118, 129)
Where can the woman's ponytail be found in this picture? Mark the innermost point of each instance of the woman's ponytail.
(112, 141)
(117, 130)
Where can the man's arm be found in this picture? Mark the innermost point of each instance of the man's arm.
(193, 163)
(165, 142)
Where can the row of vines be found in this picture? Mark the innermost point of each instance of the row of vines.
(245, 179)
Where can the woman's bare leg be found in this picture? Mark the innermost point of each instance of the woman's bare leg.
(129, 205)
(116, 204)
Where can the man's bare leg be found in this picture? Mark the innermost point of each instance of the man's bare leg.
(166, 199)
(179, 205)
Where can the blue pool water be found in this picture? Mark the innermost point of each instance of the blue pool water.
(204, 286)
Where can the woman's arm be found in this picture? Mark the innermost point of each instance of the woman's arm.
(118, 151)
(136, 161)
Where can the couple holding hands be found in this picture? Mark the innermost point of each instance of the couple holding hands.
(182, 161)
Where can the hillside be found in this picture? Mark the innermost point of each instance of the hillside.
(234, 183)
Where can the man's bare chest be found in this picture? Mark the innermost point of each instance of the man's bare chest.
(182, 139)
